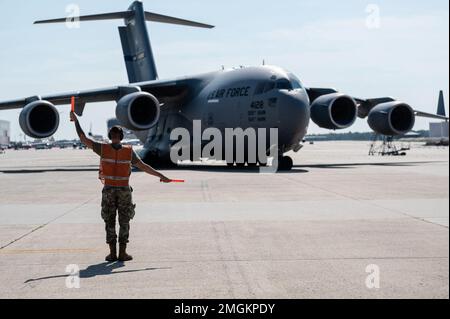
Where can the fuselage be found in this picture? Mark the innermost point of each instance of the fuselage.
(254, 97)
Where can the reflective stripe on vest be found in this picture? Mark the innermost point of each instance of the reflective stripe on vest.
(107, 160)
(114, 178)
(115, 165)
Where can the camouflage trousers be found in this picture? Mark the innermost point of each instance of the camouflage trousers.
(117, 201)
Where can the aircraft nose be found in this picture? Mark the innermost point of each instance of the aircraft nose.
(294, 116)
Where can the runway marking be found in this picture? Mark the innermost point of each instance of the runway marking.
(51, 221)
(294, 259)
(47, 251)
(48, 223)
(227, 260)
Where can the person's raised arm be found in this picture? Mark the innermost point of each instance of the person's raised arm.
(86, 141)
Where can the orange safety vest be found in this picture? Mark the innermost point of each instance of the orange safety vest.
(115, 165)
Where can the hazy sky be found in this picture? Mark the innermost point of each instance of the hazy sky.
(325, 43)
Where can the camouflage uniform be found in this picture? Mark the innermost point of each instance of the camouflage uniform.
(117, 200)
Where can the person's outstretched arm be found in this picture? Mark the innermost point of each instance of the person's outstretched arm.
(149, 170)
(85, 140)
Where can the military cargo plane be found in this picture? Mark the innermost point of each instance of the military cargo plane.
(251, 97)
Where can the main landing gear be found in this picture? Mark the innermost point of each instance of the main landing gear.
(243, 165)
(285, 163)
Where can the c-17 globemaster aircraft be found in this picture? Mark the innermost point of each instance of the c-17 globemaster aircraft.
(263, 97)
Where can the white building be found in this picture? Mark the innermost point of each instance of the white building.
(4, 132)
(439, 130)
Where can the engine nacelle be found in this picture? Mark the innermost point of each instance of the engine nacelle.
(334, 111)
(138, 111)
(392, 118)
(39, 119)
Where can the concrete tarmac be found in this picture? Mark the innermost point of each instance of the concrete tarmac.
(316, 232)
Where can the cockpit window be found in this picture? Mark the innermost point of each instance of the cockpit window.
(295, 82)
(290, 83)
(284, 84)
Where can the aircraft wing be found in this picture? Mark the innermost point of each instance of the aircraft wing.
(165, 91)
(431, 116)
(98, 95)
(314, 93)
(364, 107)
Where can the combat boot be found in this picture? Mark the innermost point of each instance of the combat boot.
(112, 253)
(123, 256)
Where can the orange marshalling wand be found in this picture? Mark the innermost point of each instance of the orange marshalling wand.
(176, 181)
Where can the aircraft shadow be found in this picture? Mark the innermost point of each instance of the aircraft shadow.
(226, 169)
(299, 168)
(49, 170)
(102, 269)
(353, 165)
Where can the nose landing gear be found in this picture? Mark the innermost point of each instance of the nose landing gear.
(285, 163)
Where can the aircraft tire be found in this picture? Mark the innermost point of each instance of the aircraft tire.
(285, 163)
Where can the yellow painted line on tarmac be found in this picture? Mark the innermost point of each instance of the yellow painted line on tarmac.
(47, 251)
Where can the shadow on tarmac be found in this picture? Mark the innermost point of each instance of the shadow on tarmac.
(296, 168)
(48, 170)
(225, 169)
(353, 165)
(102, 269)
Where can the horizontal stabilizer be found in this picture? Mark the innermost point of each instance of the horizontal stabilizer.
(149, 16)
(93, 17)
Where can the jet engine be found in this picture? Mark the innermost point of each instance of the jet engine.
(138, 111)
(392, 118)
(39, 119)
(334, 111)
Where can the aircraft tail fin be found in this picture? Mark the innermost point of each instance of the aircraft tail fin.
(136, 45)
(441, 105)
